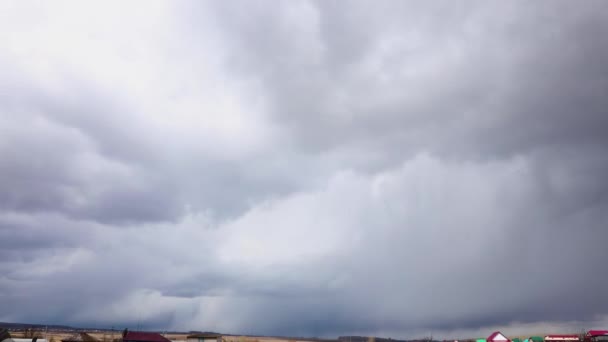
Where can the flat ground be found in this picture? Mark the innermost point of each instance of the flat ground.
(58, 336)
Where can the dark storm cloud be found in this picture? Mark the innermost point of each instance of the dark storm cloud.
(438, 82)
(306, 168)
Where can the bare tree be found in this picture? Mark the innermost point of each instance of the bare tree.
(582, 334)
(32, 333)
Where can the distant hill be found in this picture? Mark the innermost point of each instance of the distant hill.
(51, 327)
(20, 326)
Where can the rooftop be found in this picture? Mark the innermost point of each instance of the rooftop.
(144, 337)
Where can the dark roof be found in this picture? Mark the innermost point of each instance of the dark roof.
(204, 335)
(144, 337)
(80, 337)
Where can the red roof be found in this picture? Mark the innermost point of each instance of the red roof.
(597, 332)
(144, 337)
(497, 336)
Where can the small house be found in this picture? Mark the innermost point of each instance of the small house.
(497, 336)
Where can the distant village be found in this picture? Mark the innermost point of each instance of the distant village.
(22, 333)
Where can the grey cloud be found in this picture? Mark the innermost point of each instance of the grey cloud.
(90, 159)
(476, 60)
(429, 166)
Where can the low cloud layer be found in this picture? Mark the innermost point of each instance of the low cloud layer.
(305, 168)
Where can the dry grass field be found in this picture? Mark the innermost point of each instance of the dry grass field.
(257, 339)
(108, 336)
(55, 336)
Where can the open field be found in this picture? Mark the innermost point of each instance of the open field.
(57, 336)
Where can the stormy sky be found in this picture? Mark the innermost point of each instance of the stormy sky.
(389, 168)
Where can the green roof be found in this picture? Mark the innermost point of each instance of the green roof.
(517, 339)
(536, 339)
